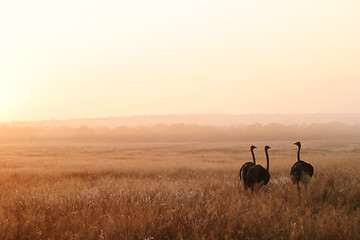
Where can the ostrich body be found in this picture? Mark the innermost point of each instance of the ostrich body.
(301, 171)
(245, 168)
(257, 175)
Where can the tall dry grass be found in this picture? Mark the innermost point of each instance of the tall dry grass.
(175, 191)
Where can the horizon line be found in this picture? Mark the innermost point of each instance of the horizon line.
(175, 114)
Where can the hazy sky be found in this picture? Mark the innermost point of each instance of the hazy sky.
(86, 58)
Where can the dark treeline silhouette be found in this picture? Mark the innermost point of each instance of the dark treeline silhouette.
(183, 133)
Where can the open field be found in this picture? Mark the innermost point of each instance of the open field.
(175, 191)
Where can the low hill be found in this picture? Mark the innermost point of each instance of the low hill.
(198, 119)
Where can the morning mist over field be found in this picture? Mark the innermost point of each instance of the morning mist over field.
(187, 128)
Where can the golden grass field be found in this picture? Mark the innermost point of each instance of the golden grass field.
(175, 191)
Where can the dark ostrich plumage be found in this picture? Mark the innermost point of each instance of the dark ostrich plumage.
(245, 167)
(298, 168)
(301, 171)
(257, 175)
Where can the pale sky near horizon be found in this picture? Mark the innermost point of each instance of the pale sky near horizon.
(86, 58)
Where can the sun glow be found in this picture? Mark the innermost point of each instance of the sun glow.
(11, 97)
(78, 59)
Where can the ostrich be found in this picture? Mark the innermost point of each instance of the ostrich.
(257, 175)
(301, 171)
(245, 168)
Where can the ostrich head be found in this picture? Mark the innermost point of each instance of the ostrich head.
(297, 144)
(267, 147)
(252, 148)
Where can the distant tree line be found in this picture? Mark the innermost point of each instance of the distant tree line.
(182, 133)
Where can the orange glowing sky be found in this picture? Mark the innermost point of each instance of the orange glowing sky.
(87, 58)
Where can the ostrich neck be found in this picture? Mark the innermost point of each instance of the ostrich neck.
(253, 155)
(298, 154)
(267, 160)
